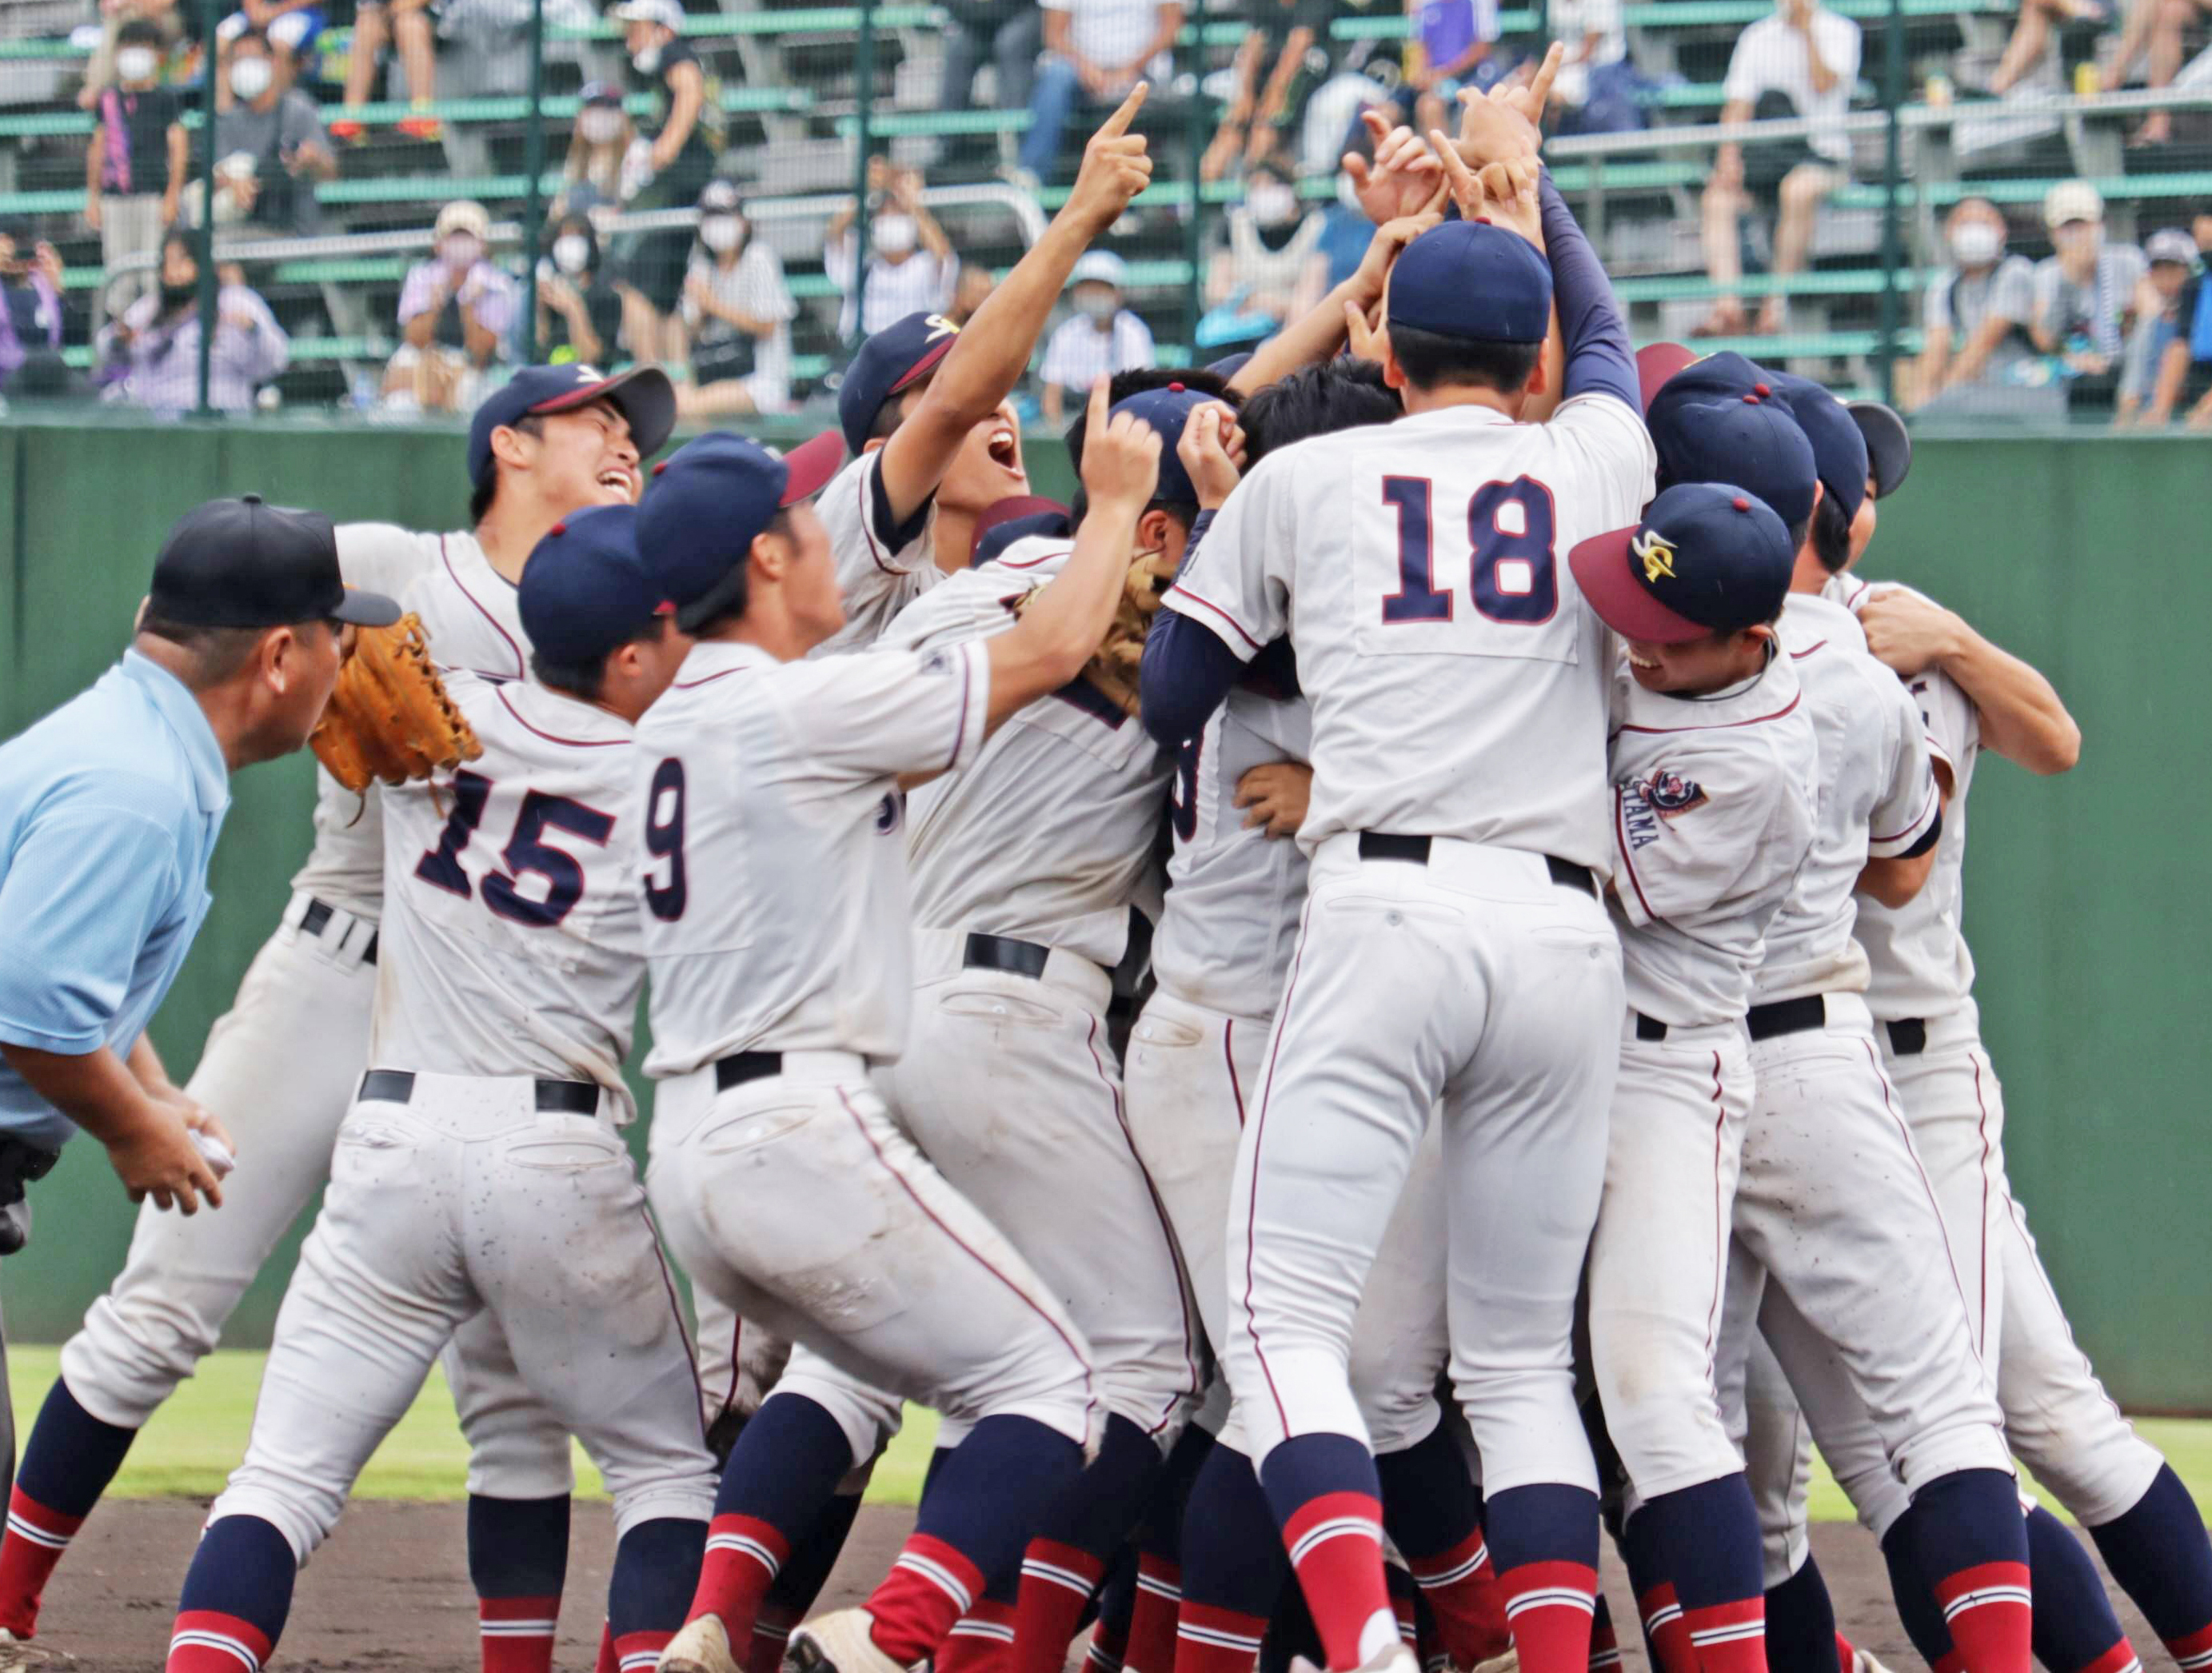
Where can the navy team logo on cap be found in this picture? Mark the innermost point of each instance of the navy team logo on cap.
(1474, 282)
(1708, 557)
(893, 359)
(644, 395)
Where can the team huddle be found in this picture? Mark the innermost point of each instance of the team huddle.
(1556, 1102)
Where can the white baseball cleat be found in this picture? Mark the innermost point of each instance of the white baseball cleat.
(1511, 1663)
(841, 1641)
(16, 1652)
(1391, 1659)
(703, 1646)
(1863, 1661)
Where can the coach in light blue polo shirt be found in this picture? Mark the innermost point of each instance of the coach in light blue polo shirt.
(109, 811)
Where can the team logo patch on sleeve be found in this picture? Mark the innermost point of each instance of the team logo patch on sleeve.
(1659, 796)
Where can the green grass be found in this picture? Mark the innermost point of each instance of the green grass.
(194, 1441)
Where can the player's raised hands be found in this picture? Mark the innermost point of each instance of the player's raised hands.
(1507, 121)
(1390, 241)
(1115, 167)
(1405, 177)
(1363, 332)
(1120, 456)
(1210, 448)
(1503, 192)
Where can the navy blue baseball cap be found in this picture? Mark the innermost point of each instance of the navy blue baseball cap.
(1167, 410)
(585, 589)
(1708, 557)
(1889, 444)
(1472, 281)
(1840, 447)
(705, 503)
(644, 394)
(1708, 426)
(896, 357)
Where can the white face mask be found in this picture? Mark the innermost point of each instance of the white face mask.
(136, 63)
(1976, 243)
(572, 252)
(722, 232)
(1272, 204)
(893, 234)
(461, 251)
(599, 125)
(250, 78)
(1099, 308)
(648, 60)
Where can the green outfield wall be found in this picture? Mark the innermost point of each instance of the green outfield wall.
(2087, 901)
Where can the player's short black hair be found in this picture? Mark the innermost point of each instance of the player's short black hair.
(1338, 394)
(214, 653)
(1798, 531)
(739, 585)
(589, 680)
(480, 497)
(1119, 388)
(1831, 534)
(1433, 361)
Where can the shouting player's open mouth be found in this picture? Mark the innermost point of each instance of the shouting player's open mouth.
(621, 480)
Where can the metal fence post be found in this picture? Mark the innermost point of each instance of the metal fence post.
(863, 83)
(1893, 98)
(211, 14)
(1195, 137)
(533, 163)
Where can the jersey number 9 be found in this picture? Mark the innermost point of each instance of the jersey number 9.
(666, 896)
(1513, 575)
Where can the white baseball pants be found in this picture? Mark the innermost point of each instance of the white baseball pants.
(279, 1070)
(464, 1198)
(1476, 983)
(797, 1201)
(1658, 1263)
(1010, 1087)
(1191, 1072)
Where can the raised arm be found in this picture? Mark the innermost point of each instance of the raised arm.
(1599, 359)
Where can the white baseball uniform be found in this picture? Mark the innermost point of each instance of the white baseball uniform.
(1713, 800)
(280, 1068)
(777, 929)
(1459, 689)
(1024, 863)
(481, 1168)
(1198, 1053)
(1828, 1163)
(882, 566)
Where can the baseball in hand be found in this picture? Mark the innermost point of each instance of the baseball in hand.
(215, 1153)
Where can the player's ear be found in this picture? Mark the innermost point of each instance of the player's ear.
(506, 445)
(1154, 530)
(770, 556)
(1540, 379)
(1394, 375)
(872, 443)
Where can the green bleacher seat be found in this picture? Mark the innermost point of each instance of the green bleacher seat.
(1807, 346)
(2115, 187)
(305, 350)
(1860, 281)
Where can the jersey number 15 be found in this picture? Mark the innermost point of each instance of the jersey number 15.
(1512, 576)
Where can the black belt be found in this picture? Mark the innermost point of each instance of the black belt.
(1390, 845)
(568, 1098)
(1649, 1028)
(1787, 1016)
(1908, 1035)
(20, 1164)
(317, 918)
(1003, 953)
(743, 1066)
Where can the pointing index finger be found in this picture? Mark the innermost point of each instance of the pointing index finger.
(1539, 89)
(1118, 123)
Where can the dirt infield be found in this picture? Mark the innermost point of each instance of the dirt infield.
(390, 1591)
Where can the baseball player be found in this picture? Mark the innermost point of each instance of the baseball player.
(282, 1065)
(1714, 769)
(776, 928)
(1381, 553)
(481, 1167)
(1827, 1162)
(923, 407)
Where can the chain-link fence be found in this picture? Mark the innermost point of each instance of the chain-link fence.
(1992, 211)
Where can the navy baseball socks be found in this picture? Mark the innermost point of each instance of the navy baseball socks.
(781, 1478)
(798, 1582)
(1328, 1501)
(1064, 1565)
(649, 1588)
(1543, 1540)
(67, 1462)
(1693, 1557)
(2158, 1553)
(1148, 1644)
(1232, 1567)
(2075, 1628)
(1972, 1547)
(1434, 1515)
(237, 1593)
(518, 1563)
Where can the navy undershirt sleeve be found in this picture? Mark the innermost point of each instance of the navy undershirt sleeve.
(1598, 355)
(1186, 669)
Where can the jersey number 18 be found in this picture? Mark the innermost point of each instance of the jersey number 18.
(1512, 576)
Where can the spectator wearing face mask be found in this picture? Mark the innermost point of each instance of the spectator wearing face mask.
(2085, 296)
(404, 25)
(269, 146)
(578, 307)
(1102, 338)
(738, 312)
(2170, 352)
(669, 162)
(1271, 269)
(134, 169)
(1975, 342)
(910, 261)
(150, 356)
(30, 317)
(592, 175)
(293, 28)
(455, 311)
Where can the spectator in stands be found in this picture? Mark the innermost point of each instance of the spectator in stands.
(2169, 359)
(970, 291)
(670, 162)
(910, 261)
(2158, 27)
(134, 169)
(150, 356)
(293, 28)
(1976, 339)
(739, 313)
(592, 174)
(2085, 295)
(1103, 337)
(31, 317)
(1012, 31)
(1596, 90)
(117, 15)
(269, 145)
(1452, 43)
(1803, 61)
(1270, 269)
(2031, 36)
(579, 308)
(455, 311)
(1276, 47)
(1095, 50)
(405, 26)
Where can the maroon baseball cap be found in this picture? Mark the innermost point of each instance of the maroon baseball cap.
(1708, 557)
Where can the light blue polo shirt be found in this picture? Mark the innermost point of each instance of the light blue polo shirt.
(109, 809)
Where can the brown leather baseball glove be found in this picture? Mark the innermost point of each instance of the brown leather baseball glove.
(390, 718)
(1113, 665)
